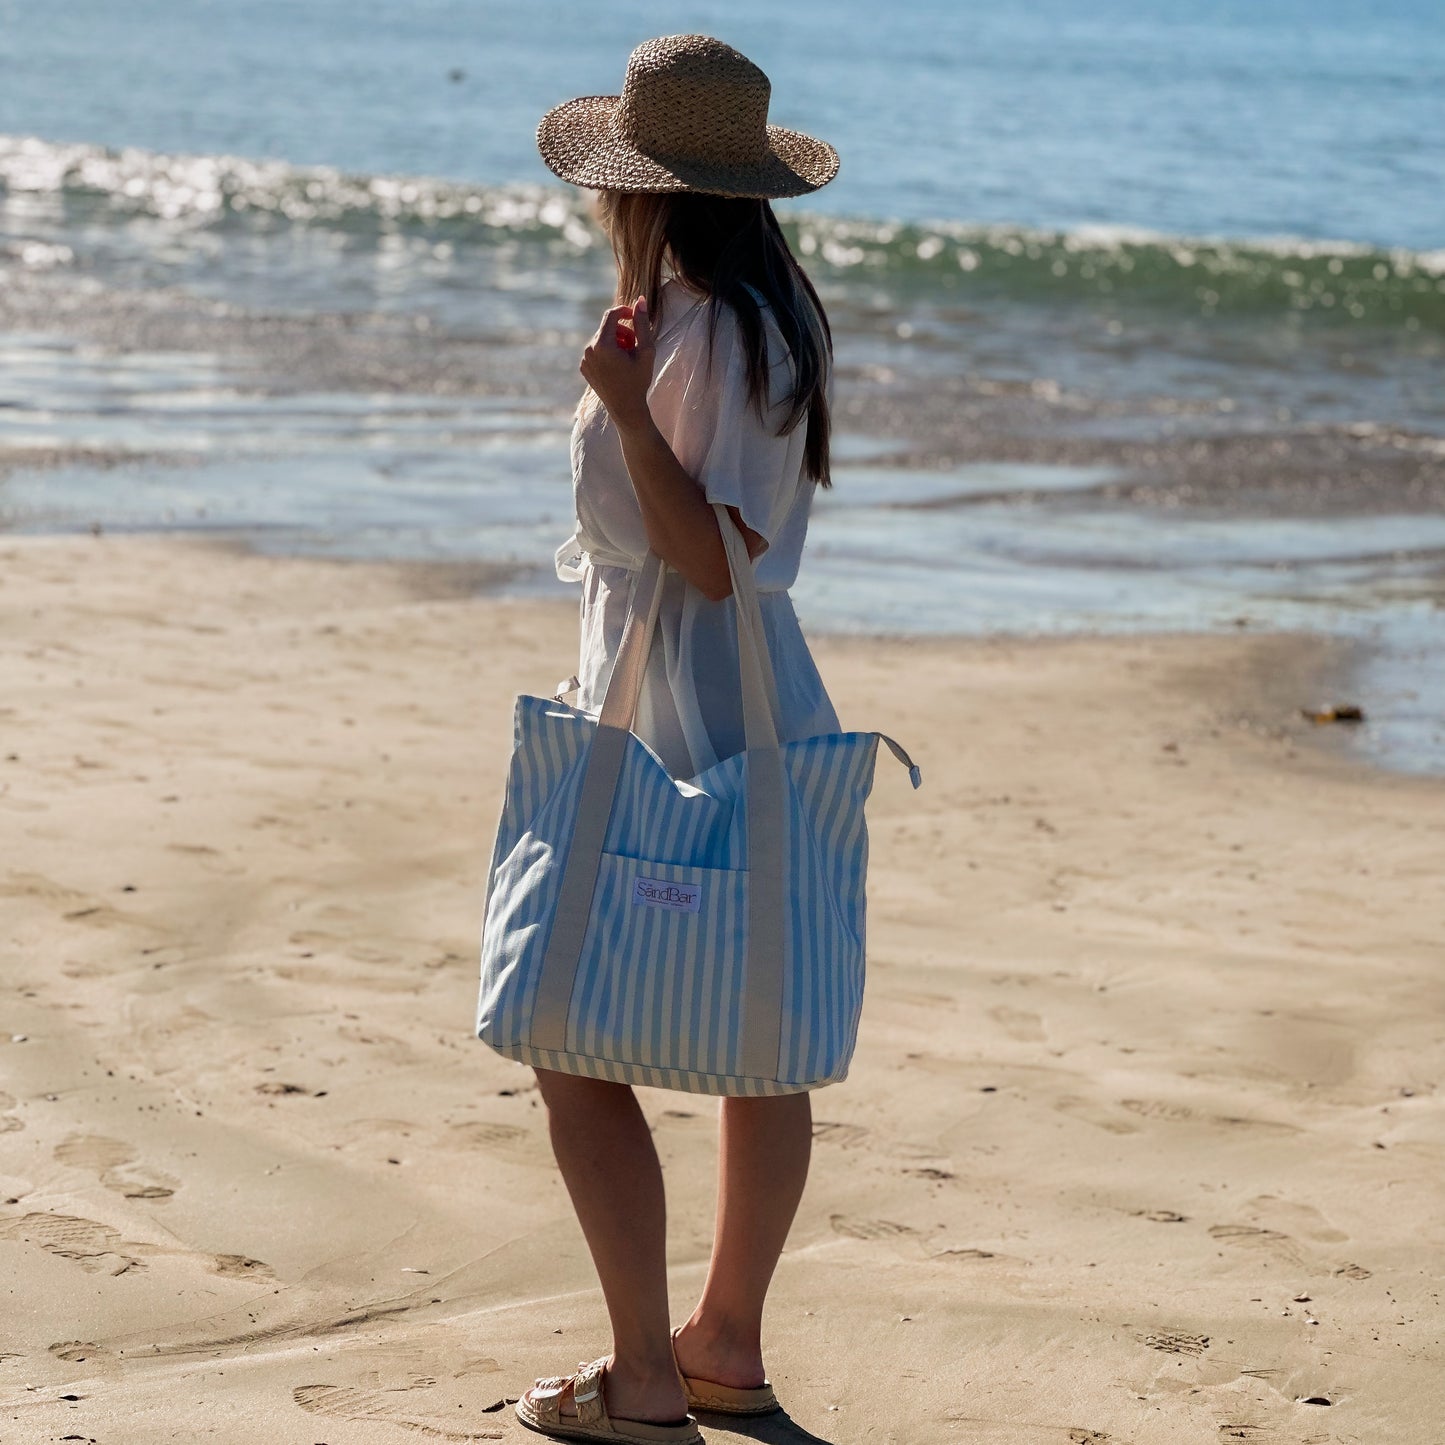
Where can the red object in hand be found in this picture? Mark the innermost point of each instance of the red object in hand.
(626, 339)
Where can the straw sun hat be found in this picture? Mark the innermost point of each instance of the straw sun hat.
(692, 116)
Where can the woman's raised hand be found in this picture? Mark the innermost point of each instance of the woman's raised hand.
(617, 363)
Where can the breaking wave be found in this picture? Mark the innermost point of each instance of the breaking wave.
(78, 184)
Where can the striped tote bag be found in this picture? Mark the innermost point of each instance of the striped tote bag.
(703, 934)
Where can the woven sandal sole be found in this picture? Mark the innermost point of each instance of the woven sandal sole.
(624, 1432)
(726, 1400)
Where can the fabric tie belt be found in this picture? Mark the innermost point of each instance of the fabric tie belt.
(573, 558)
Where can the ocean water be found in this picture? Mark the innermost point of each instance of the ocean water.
(1308, 118)
(1139, 308)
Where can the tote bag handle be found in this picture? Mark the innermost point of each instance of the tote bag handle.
(756, 676)
(764, 820)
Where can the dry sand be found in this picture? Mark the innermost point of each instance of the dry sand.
(1141, 1144)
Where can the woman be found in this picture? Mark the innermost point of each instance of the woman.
(713, 386)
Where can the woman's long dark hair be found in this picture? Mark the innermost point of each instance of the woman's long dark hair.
(715, 244)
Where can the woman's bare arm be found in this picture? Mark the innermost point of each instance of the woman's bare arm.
(682, 527)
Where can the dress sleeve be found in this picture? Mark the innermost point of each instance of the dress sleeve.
(737, 457)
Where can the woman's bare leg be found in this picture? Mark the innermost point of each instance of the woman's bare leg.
(605, 1152)
(762, 1168)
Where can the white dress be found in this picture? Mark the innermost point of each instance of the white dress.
(690, 711)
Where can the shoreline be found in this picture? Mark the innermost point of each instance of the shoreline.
(968, 488)
(1305, 667)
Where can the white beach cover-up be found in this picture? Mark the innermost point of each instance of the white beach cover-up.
(690, 710)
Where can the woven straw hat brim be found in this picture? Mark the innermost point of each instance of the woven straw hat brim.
(577, 143)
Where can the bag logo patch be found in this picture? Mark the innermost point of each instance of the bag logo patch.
(679, 897)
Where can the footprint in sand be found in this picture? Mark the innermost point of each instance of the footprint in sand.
(99, 1249)
(1267, 1241)
(96, 1248)
(1302, 1219)
(846, 1136)
(9, 1122)
(856, 1228)
(1153, 1109)
(1183, 1114)
(1175, 1342)
(113, 1161)
(77, 1352)
(386, 1406)
(507, 1140)
(1095, 1114)
(961, 1255)
(1089, 1437)
(241, 1266)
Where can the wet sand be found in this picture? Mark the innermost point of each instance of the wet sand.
(1141, 1143)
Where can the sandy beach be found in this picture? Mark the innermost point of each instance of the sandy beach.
(1141, 1143)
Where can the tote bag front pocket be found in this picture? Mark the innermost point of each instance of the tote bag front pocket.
(661, 973)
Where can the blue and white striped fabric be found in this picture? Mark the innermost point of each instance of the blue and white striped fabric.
(684, 967)
(658, 998)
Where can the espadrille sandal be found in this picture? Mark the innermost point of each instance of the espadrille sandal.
(726, 1399)
(540, 1409)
